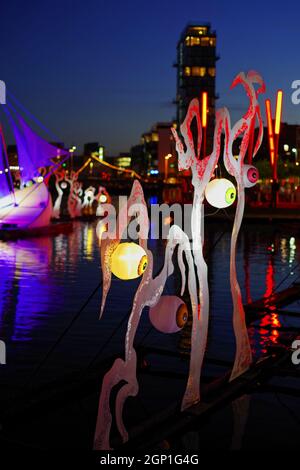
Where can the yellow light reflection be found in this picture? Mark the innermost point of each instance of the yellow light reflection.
(88, 241)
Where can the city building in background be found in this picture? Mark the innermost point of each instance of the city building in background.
(196, 71)
(123, 160)
(156, 155)
(93, 148)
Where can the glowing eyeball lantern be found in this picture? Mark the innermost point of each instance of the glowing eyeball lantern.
(39, 179)
(102, 198)
(250, 176)
(169, 315)
(128, 261)
(220, 193)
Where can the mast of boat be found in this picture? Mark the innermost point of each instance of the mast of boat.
(11, 184)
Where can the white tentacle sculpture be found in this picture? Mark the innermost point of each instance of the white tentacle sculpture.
(73, 199)
(202, 171)
(235, 167)
(59, 176)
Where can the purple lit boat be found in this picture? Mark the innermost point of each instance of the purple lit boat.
(30, 207)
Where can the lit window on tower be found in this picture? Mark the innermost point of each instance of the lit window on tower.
(195, 41)
(212, 71)
(198, 71)
(187, 71)
(205, 41)
(124, 162)
(192, 41)
(200, 29)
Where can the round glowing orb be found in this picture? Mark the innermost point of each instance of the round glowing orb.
(169, 315)
(128, 261)
(63, 185)
(250, 175)
(220, 193)
(103, 198)
(39, 179)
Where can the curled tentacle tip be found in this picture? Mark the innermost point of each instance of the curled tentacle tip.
(240, 76)
(253, 75)
(262, 88)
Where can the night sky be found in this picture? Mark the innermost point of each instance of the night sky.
(102, 71)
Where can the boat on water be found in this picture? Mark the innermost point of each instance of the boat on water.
(28, 208)
(32, 208)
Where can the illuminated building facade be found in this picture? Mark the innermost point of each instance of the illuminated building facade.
(123, 160)
(196, 71)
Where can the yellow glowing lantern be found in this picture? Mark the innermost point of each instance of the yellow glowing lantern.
(39, 179)
(103, 198)
(220, 193)
(169, 315)
(128, 261)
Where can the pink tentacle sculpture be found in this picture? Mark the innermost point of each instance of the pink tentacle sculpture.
(151, 288)
(202, 171)
(235, 167)
(77, 196)
(72, 200)
(148, 294)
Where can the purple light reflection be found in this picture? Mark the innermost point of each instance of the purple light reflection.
(25, 287)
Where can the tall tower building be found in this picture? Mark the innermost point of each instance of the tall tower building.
(196, 71)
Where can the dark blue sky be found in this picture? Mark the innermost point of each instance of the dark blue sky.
(97, 70)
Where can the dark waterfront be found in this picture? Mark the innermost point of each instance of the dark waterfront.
(178, 331)
(45, 281)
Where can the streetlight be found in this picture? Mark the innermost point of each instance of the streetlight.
(101, 152)
(167, 157)
(72, 150)
(295, 151)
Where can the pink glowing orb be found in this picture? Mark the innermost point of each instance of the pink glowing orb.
(250, 175)
(169, 315)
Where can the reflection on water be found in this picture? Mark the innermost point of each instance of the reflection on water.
(23, 271)
(88, 241)
(288, 250)
(44, 281)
